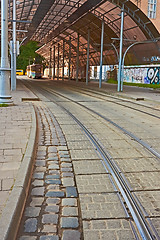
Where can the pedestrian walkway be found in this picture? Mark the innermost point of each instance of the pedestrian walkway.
(17, 138)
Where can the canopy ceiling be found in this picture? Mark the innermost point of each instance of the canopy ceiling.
(56, 21)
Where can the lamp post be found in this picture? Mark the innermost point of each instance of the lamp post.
(5, 96)
(101, 58)
(87, 65)
(14, 50)
(120, 50)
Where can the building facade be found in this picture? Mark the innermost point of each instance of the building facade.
(151, 8)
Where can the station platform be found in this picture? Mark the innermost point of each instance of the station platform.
(24, 140)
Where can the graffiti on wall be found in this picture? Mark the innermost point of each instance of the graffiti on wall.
(147, 75)
(153, 75)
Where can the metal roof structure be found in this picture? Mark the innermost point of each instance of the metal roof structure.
(57, 21)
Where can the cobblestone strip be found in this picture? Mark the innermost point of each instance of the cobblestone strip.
(52, 211)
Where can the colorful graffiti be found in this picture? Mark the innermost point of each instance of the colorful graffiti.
(142, 74)
(153, 75)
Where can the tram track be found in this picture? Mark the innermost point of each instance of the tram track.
(128, 133)
(103, 96)
(145, 228)
(129, 200)
(121, 102)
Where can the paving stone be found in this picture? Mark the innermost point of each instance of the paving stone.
(37, 183)
(62, 148)
(65, 159)
(70, 211)
(40, 169)
(52, 155)
(53, 208)
(95, 235)
(69, 222)
(67, 174)
(28, 238)
(150, 201)
(64, 156)
(52, 158)
(53, 187)
(71, 192)
(71, 235)
(49, 237)
(40, 163)
(30, 225)
(144, 180)
(155, 222)
(41, 153)
(66, 169)
(69, 202)
(53, 181)
(53, 162)
(38, 175)
(94, 183)
(66, 165)
(32, 211)
(52, 149)
(36, 201)
(54, 172)
(53, 176)
(68, 182)
(88, 167)
(37, 191)
(49, 228)
(65, 152)
(55, 194)
(50, 218)
(51, 201)
(53, 166)
(7, 184)
(104, 205)
(83, 154)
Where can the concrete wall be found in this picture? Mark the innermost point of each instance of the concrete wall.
(142, 74)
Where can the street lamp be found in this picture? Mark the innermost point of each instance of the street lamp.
(5, 96)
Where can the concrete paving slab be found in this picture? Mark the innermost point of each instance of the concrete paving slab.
(85, 167)
(95, 183)
(101, 206)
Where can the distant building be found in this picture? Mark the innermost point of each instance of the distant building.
(152, 9)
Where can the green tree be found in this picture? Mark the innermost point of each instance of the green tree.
(28, 55)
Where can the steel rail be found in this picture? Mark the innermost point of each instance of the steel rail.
(92, 91)
(144, 144)
(144, 229)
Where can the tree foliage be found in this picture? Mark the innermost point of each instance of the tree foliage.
(28, 55)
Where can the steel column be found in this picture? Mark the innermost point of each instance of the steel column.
(63, 61)
(5, 96)
(69, 65)
(87, 66)
(120, 50)
(77, 69)
(101, 58)
(54, 63)
(58, 64)
(14, 51)
(50, 60)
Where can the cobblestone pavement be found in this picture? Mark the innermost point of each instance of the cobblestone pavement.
(52, 210)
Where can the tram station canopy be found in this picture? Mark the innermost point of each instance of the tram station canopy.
(57, 22)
